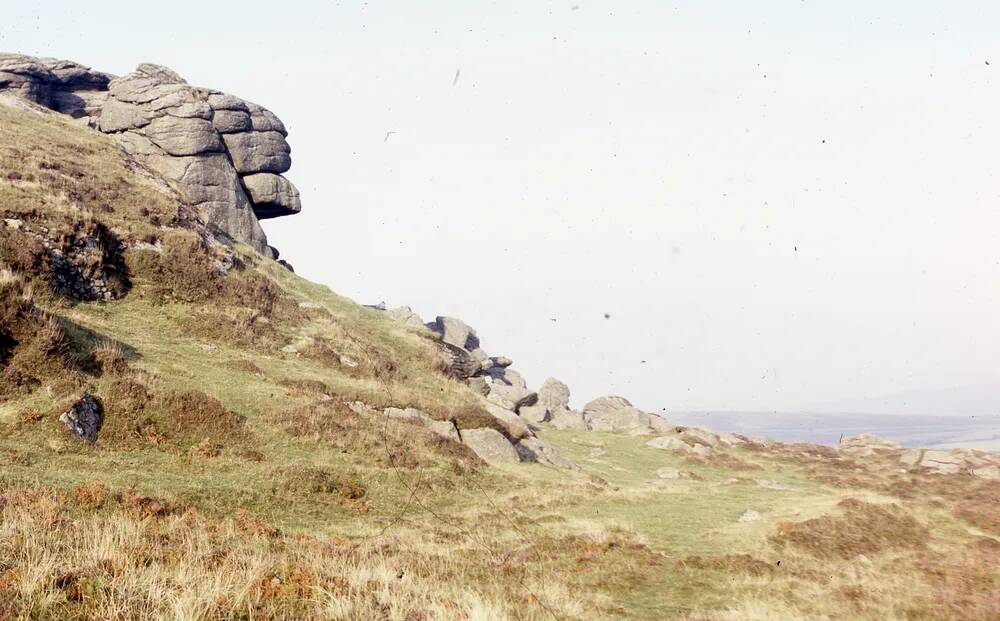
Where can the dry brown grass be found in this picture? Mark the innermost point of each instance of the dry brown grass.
(863, 528)
(138, 413)
(101, 553)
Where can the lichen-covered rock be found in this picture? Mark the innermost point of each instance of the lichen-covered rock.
(85, 418)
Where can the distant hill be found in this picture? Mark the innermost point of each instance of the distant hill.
(969, 400)
(982, 432)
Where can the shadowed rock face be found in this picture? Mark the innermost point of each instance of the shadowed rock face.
(221, 153)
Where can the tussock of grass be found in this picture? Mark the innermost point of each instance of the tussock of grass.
(864, 528)
(138, 414)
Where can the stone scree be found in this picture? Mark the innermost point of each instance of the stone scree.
(220, 153)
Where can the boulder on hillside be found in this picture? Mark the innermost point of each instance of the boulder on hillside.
(405, 315)
(674, 443)
(568, 419)
(516, 426)
(534, 413)
(455, 332)
(534, 450)
(490, 445)
(616, 414)
(84, 418)
(865, 444)
(443, 428)
(554, 395)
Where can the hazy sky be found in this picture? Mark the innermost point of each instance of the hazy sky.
(777, 203)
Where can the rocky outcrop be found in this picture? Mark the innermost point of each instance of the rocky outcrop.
(220, 153)
(929, 461)
(490, 445)
(616, 414)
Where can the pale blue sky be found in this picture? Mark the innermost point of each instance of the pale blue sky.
(657, 161)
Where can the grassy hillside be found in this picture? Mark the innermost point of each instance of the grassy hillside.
(237, 478)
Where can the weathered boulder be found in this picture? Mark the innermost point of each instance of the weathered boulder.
(674, 443)
(567, 419)
(455, 332)
(183, 136)
(616, 414)
(554, 395)
(231, 121)
(865, 444)
(516, 426)
(490, 445)
(443, 428)
(405, 314)
(255, 152)
(534, 450)
(510, 397)
(534, 413)
(60, 85)
(84, 418)
(955, 461)
(272, 195)
(697, 435)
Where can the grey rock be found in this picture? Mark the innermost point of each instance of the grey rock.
(231, 121)
(510, 397)
(272, 195)
(617, 415)
(222, 101)
(85, 418)
(516, 426)
(118, 116)
(444, 428)
(405, 315)
(554, 395)
(501, 362)
(479, 385)
(567, 419)
(534, 413)
(535, 450)
(490, 445)
(697, 435)
(455, 332)
(670, 443)
(255, 151)
(264, 120)
(183, 136)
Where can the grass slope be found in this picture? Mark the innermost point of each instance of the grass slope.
(234, 481)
